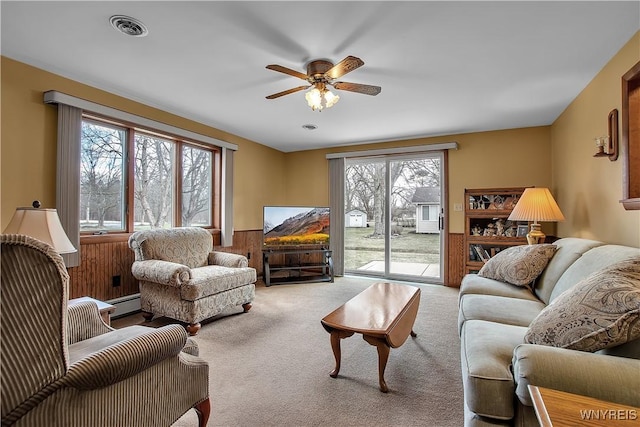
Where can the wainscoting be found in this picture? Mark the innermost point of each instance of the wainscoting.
(105, 264)
(455, 260)
(102, 265)
(104, 272)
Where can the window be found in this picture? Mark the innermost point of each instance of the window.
(430, 213)
(171, 180)
(196, 194)
(102, 176)
(153, 183)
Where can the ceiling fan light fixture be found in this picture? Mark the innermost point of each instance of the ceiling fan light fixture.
(320, 74)
(330, 98)
(321, 98)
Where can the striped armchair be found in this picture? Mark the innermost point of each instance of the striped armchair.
(65, 367)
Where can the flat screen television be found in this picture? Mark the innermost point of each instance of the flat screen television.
(295, 226)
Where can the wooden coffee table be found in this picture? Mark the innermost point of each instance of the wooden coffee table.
(383, 313)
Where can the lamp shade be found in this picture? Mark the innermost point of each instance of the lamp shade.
(41, 224)
(536, 204)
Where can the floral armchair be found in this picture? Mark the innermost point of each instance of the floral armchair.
(182, 278)
(63, 366)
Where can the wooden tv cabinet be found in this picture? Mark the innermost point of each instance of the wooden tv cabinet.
(297, 265)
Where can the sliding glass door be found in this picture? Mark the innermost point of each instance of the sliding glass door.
(394, 209)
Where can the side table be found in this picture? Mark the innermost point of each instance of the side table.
(105, 308)
(556, 408)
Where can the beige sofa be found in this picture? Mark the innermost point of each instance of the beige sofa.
(182, 278)
(495, 319)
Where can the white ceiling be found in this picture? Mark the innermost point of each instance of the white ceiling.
(444, 67)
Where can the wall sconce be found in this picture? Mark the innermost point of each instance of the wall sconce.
(608, 145)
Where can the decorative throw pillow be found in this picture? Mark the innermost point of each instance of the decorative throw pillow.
(601, 311)
(518, 265)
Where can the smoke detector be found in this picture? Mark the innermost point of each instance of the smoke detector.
(128, 25)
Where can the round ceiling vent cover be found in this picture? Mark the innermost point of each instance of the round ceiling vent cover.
(129, 26)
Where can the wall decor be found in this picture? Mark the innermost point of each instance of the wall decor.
(630, 138)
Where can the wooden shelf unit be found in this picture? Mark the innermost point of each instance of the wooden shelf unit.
(484, 208)
(297, 265)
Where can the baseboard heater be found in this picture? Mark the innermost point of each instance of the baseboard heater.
(125, 305)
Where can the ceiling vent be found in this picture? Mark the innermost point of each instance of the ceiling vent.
(129, 26)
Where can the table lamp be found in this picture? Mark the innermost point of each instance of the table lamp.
(42, 224)
(536, 204)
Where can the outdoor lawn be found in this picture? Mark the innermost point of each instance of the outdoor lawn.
(360, 249)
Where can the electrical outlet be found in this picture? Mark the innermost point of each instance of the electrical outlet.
(457, 207)
(115, 281)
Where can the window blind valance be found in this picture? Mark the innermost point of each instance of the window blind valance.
(395, 150)
(55, 97)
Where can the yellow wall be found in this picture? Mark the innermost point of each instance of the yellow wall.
(558, 156)
(28, 139)
(589, 189)
(507, 158)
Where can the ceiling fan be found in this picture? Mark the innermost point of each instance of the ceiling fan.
(320, 74)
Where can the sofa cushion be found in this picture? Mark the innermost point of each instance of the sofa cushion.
(188, 246)
(569, 250)
(518, 265)
(472, 284)
(510, 311)
(213, 279)
(486, 350)
(601, 311)
(593, 260)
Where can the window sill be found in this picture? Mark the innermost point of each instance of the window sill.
(94, 239)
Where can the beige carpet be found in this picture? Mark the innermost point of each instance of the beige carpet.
(270, 367)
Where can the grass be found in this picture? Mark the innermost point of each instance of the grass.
(409, 246)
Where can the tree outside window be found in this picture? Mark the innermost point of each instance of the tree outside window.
(101, 177)
(171, 184)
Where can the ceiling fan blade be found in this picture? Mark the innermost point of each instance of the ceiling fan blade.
(357, 87)
(288, 71)
(343, 67)
(287, 92)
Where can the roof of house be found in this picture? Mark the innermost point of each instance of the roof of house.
(426, 195)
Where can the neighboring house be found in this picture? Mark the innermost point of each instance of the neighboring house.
(427, 201)
(355, 218)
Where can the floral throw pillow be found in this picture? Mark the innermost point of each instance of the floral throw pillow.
(518, 265)
(601, 311)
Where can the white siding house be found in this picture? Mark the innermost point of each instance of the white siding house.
(355, 218)
(427, 201)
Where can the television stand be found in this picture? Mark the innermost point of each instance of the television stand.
(297, 265)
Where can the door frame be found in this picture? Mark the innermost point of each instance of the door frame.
(444, 216)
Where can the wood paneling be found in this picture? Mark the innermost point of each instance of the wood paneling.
(455, 260)
(247, 243)
(100, 261)
(103, 258)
